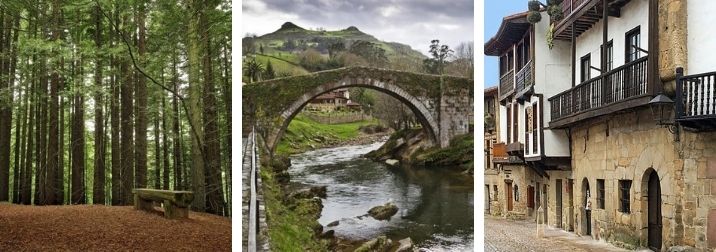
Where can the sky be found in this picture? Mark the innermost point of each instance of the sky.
(495, 10)
(411, 22)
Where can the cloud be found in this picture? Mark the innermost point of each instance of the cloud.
(412, 22)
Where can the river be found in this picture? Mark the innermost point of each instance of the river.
(435, 206)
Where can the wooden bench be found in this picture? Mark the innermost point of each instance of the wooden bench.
(176, 203)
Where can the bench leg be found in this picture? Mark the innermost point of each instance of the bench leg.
(172, 211)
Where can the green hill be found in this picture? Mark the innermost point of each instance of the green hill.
(291, 39)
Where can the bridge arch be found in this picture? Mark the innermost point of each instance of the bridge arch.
(442, 104)
(421, 111)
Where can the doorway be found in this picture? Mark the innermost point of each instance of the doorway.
(558, 198)
(654, 211)
(587, 204)
(508, 189)
(487, 199)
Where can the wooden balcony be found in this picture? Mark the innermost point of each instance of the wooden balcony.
(507, 84)
(584, 14)
(622, 88)
(499, 153)
(523, 80)
(696, 101)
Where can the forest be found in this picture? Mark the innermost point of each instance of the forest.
(98, 97)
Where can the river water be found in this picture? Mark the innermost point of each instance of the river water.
(435, 206)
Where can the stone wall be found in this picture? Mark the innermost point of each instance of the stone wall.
(630, 146)
(521, 176)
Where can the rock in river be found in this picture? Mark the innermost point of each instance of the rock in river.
(392, 162)
(405, 245)
(383, 212)
(382, 243)
(333, 224)
(314, 191)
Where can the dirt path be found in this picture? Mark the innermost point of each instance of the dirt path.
(108, 228)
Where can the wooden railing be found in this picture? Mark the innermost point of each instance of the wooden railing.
(569, 6)
(507, 83)
(620, 84)
(695, 95)
(523, 78)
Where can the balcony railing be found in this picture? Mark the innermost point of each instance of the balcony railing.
(523, 78)
(569, 6)
(696, 99)
(499, 153)
(620, 84)
(507, 83)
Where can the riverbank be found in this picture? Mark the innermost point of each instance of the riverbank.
(411, 147)
(304, 134)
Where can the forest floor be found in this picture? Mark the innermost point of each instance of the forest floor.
(108, 228)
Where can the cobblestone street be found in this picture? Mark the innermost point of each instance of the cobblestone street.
(508, 235)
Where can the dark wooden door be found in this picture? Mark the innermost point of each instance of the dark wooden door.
(558, 198)
(654, 212)
(508, 188)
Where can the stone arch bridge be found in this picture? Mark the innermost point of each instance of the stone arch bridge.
(443, 105)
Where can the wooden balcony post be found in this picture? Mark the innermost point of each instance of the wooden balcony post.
(679, 99)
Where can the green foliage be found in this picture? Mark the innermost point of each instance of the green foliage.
(534, 17)
(289, 230)
(459, 153)
(439, 53)
(534, 5)
(555, 12)
(253, 70)
(269, 73)
(372, 52)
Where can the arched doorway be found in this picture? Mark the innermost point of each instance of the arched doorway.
(652, 185)
(587, 205)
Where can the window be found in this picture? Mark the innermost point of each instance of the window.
(517, 193)
(523, 52)
(585, 68)
(503, 65)
(600, 193)
(624, 197)
(509, 123)
(515, 123)
(535, 127)
(494, 189)
(633, 40)
(610, 56)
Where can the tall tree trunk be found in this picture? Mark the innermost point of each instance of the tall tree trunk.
(227, 102)
(26, 188)
(5, 109)
(99, 146)
(78, 142)
(198, 177)
(165, 144)
(157, 155)
(141, 97)
(53, 152)
(127, 142)
(178, 169)
(20, 118)
(215, 195)
(115, 125)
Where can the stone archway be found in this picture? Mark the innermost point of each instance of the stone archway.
(421, 112)
(651, 209)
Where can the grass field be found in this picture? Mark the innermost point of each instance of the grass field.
(305, 134)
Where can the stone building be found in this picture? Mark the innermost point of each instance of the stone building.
(640, 169)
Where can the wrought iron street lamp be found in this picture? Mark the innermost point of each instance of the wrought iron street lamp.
(661, 107)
